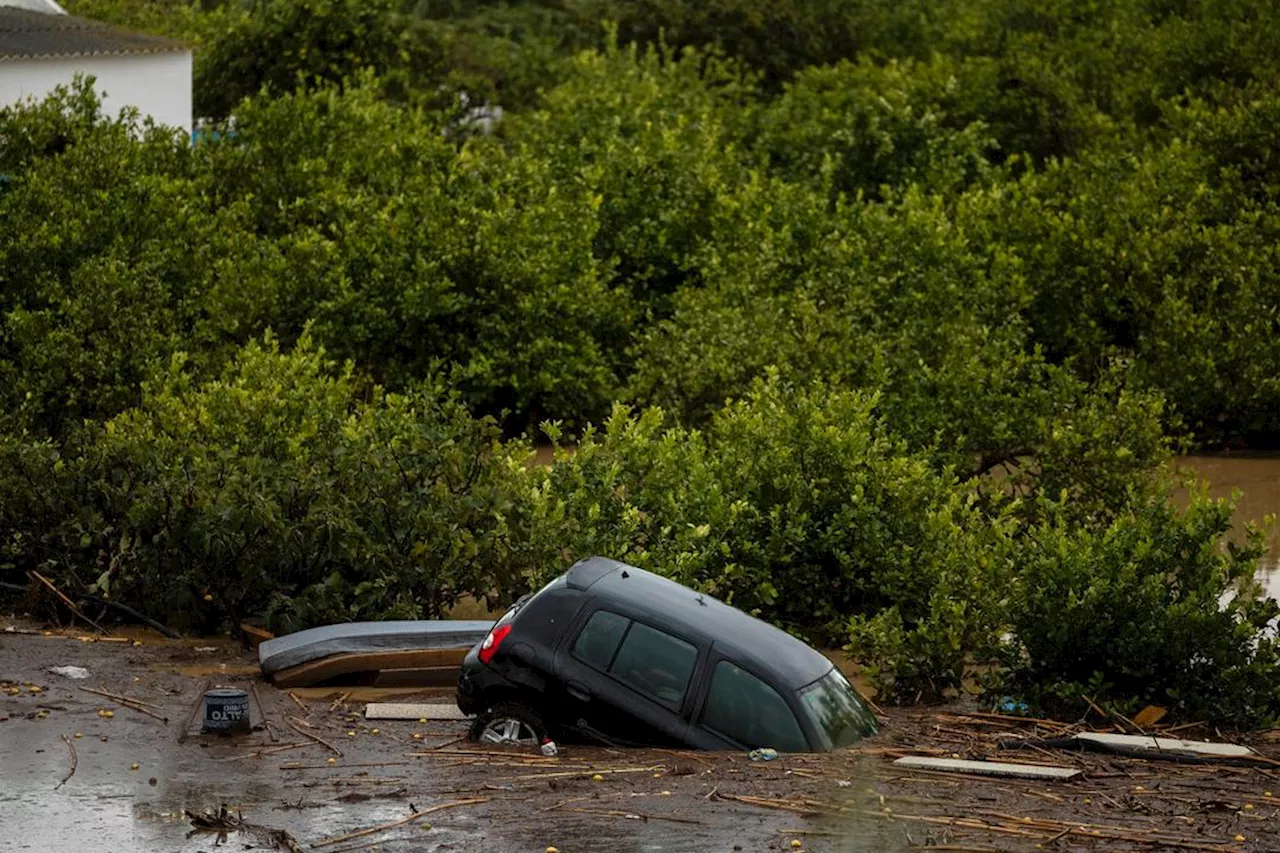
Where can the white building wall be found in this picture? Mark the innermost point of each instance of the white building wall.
(158, 84)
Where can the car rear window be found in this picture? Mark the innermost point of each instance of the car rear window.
(655, 663)
(838, 710)
(743, 708)
(524, 600)
(600, 637)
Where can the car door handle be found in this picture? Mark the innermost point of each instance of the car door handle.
(578, 691)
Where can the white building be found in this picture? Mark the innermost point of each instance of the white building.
(41, 50)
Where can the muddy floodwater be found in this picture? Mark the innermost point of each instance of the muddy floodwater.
(319, 771)
(317, 776)
(1257, 480)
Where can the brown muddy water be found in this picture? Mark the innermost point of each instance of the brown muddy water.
(135, 775)
(1256, 480)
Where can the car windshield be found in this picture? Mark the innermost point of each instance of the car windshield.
(841, 715)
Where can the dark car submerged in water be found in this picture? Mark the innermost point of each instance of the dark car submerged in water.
(621, 656)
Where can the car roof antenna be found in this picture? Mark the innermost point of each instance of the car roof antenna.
(625, 575)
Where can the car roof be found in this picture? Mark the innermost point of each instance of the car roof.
(756, 644)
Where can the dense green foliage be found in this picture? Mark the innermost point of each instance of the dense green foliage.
(878, 319)
(1155, 580)
(279, 483)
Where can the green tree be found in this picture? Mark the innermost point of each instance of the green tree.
(651, 138)
(109, 257)
(1146, 609)
(278, 45)
(795, 504)
(282, 487)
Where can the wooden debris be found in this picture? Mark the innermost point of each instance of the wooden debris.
(635, 815)
(1041, 828)
(410, 819)
(71, 771)
(270, 751)
(989, 768)
(345, 766)
(1053, 724)
(501, 753)
(301, 722)
(119, 698)
(48, 584)
(196, 705)
(298, 702)
(253, 636)
(589, 772)
(290, 722)
(451, 742)
(222, 822)
(801, 807)
(130, 703)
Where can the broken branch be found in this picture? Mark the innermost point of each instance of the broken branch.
(34, 575)
(131, 704)
(71, 748)
(316, 738)
(118, 697)
(635, 815)
(395, 823)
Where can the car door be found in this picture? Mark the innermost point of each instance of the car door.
(742, 710)
(627, 680)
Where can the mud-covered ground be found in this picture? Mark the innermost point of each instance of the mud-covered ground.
(318, 772)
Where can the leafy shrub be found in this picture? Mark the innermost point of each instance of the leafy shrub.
(279, 45)
(275, 487)
(794, 504)
(416, 253)
(1148, 608)
(781, 37)
(1161, 258)
(867, 127)
(652, 139)
(932, 326)
(109, 260)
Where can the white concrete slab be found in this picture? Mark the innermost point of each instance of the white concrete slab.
(409, 711)
(989, 768)
(1164, 744)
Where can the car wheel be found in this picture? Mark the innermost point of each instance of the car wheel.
(508, 724)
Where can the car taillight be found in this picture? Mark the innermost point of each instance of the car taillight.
(492, 641)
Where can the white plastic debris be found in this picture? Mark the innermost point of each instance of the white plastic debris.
(402, 711)
(989, 768)
(76, 672)
(1161, 744)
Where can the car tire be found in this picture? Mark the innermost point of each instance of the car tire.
(508, 723)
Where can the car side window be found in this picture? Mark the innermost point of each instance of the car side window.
(599, 638)
(743, 708)
(655, 663)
